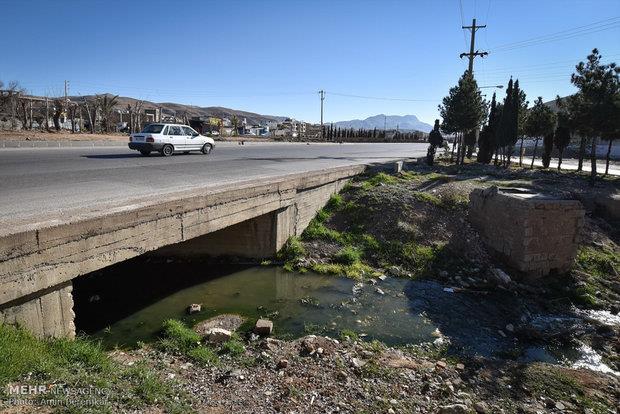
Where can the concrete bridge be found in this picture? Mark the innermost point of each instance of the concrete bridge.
(38, 261)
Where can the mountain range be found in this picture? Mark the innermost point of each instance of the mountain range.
(190, 110)
(401, 122)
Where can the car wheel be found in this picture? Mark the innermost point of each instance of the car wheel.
(206, 149)
(145, 153)
(167, 150)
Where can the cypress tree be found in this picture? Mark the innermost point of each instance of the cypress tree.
(486, 140)
(547, 148)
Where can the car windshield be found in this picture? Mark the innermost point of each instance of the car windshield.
(153, 128)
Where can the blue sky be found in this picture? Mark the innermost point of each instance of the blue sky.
(272, 57)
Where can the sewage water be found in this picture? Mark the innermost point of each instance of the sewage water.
(297, 303)
(128, 302)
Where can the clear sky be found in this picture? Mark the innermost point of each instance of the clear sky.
(273, 56)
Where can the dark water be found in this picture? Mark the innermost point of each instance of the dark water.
(127, 303)
(297, 303)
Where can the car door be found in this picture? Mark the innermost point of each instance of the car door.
(177, 137)
(192, 139)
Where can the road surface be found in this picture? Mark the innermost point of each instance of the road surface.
(40, 181)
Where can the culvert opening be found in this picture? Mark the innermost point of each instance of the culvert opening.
(109, 295)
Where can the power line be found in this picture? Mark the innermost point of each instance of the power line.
(382, 98)
(543, 65)
(462, 22)
(571, 36)
(594, 27)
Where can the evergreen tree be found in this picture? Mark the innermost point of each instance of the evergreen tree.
(547, 148)
(470, 142)
(561, 138)
(521, 105)
(462, 110)
(504, 128)
(486, 140)
(594, 107)
(539, 123)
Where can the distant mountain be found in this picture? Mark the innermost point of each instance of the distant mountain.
(190, 110)
(402, 122)
(554, 104)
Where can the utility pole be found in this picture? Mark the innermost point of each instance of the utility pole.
(322, 95)
(472, 54)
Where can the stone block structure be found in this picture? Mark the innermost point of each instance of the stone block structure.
(532, 232)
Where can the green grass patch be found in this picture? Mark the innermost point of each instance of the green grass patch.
(292, 250)
(336, 201)
(179, 337)
(377, 179)
(317, 230)
(233, 347)
(418, 256)
(82, 364)
(203, 355)
(348, 335)
(328, 268)
(348, 255)
(176, 337)
(598, 263)
(357, 270)
(454, 201)
(426, 198)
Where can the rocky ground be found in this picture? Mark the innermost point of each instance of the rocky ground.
(319, 374)
(414, 225)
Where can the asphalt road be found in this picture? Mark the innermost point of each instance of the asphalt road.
(41, 181)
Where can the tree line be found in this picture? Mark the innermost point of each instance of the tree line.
(332, 133)
(498, 127)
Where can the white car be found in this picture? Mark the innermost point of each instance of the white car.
(170, 138)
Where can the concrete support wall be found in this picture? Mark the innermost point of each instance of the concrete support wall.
(39, 259)
(259, 237)
(49, 315)
(254, 238)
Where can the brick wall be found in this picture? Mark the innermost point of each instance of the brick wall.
(532, 232)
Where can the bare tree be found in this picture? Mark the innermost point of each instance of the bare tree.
(58, 109)
(90, 105)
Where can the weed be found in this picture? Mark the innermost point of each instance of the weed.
(426, 198)
(328, 268)
(380, 178)
(83, 362)
(348, 255)
(203, 355)
(292, 250)
(316, 230)
(233, 347)
(335, 202)
(179, 336)
(348, 335)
